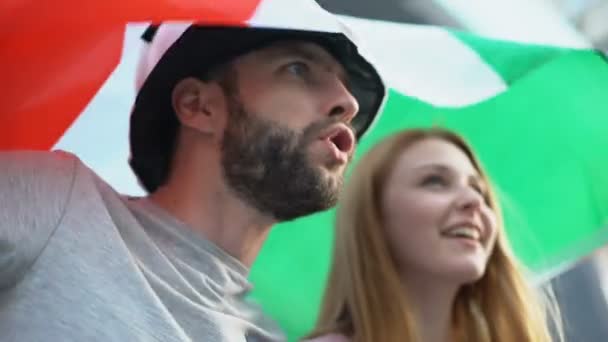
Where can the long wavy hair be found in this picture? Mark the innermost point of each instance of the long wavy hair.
(364, 298)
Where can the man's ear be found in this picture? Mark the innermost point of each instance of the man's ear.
(199, 105)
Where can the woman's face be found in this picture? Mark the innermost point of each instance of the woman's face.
(437, 220)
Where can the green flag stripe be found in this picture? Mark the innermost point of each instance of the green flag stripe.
(510, 60)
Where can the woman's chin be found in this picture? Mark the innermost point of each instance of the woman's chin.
(468, 274)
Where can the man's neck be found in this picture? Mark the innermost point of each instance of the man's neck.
(219, 216)
(432, 303)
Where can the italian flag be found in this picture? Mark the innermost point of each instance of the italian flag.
(536, 115)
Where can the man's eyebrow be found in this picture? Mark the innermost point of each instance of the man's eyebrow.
(300, 52)
(296, 50)
(310, 55)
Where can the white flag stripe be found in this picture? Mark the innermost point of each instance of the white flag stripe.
(537, 22)
(427, 63)
(280, 14)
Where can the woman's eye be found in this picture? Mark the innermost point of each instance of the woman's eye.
(434, 180)
(478, 188)
(484, 193)
(298, 68)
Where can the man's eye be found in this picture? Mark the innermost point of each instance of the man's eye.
(298, 68)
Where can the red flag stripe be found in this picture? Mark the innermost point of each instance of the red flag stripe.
(51, 80)
(16, 15)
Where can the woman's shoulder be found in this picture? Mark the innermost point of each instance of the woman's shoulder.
(329, 338)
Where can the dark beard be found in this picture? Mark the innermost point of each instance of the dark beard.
(267, 166)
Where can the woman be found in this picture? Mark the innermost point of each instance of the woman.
(420, 252)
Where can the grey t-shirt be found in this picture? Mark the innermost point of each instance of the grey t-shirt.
(79, 262)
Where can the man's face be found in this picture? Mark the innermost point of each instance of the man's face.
(288, 138)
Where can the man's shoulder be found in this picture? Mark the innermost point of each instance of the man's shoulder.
(27, 176)
(34, 189)
(35, 164)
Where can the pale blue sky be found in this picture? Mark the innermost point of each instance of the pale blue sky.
(100, 135)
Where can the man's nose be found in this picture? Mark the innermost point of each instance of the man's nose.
(340, 101)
